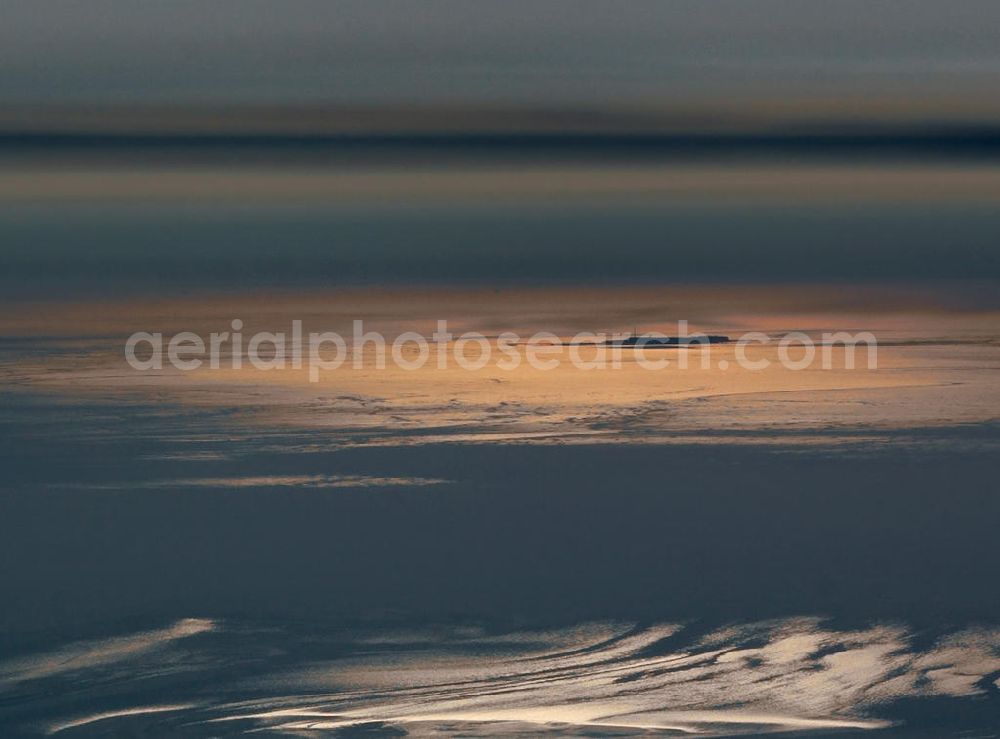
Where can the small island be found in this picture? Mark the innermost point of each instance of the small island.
(643, 341)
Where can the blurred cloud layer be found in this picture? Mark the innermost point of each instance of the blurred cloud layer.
(526, 52)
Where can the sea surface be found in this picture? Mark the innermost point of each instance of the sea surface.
(617, 552)
(703, 549)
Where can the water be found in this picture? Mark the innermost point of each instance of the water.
(441, 552)
(226, 678)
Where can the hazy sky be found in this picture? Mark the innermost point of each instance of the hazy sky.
(943, 58)
(514, 51)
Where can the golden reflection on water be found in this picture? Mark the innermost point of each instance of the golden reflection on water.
(936, 363)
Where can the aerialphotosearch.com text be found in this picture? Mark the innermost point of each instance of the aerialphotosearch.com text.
(320, 352)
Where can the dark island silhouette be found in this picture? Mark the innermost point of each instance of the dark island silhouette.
(643, 341)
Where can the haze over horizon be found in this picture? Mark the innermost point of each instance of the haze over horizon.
(516, 53)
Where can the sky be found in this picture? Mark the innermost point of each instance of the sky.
(148, 217)
(519, 52)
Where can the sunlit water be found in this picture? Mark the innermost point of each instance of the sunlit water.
(779, 548)
(934, 367)
(217, 678)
